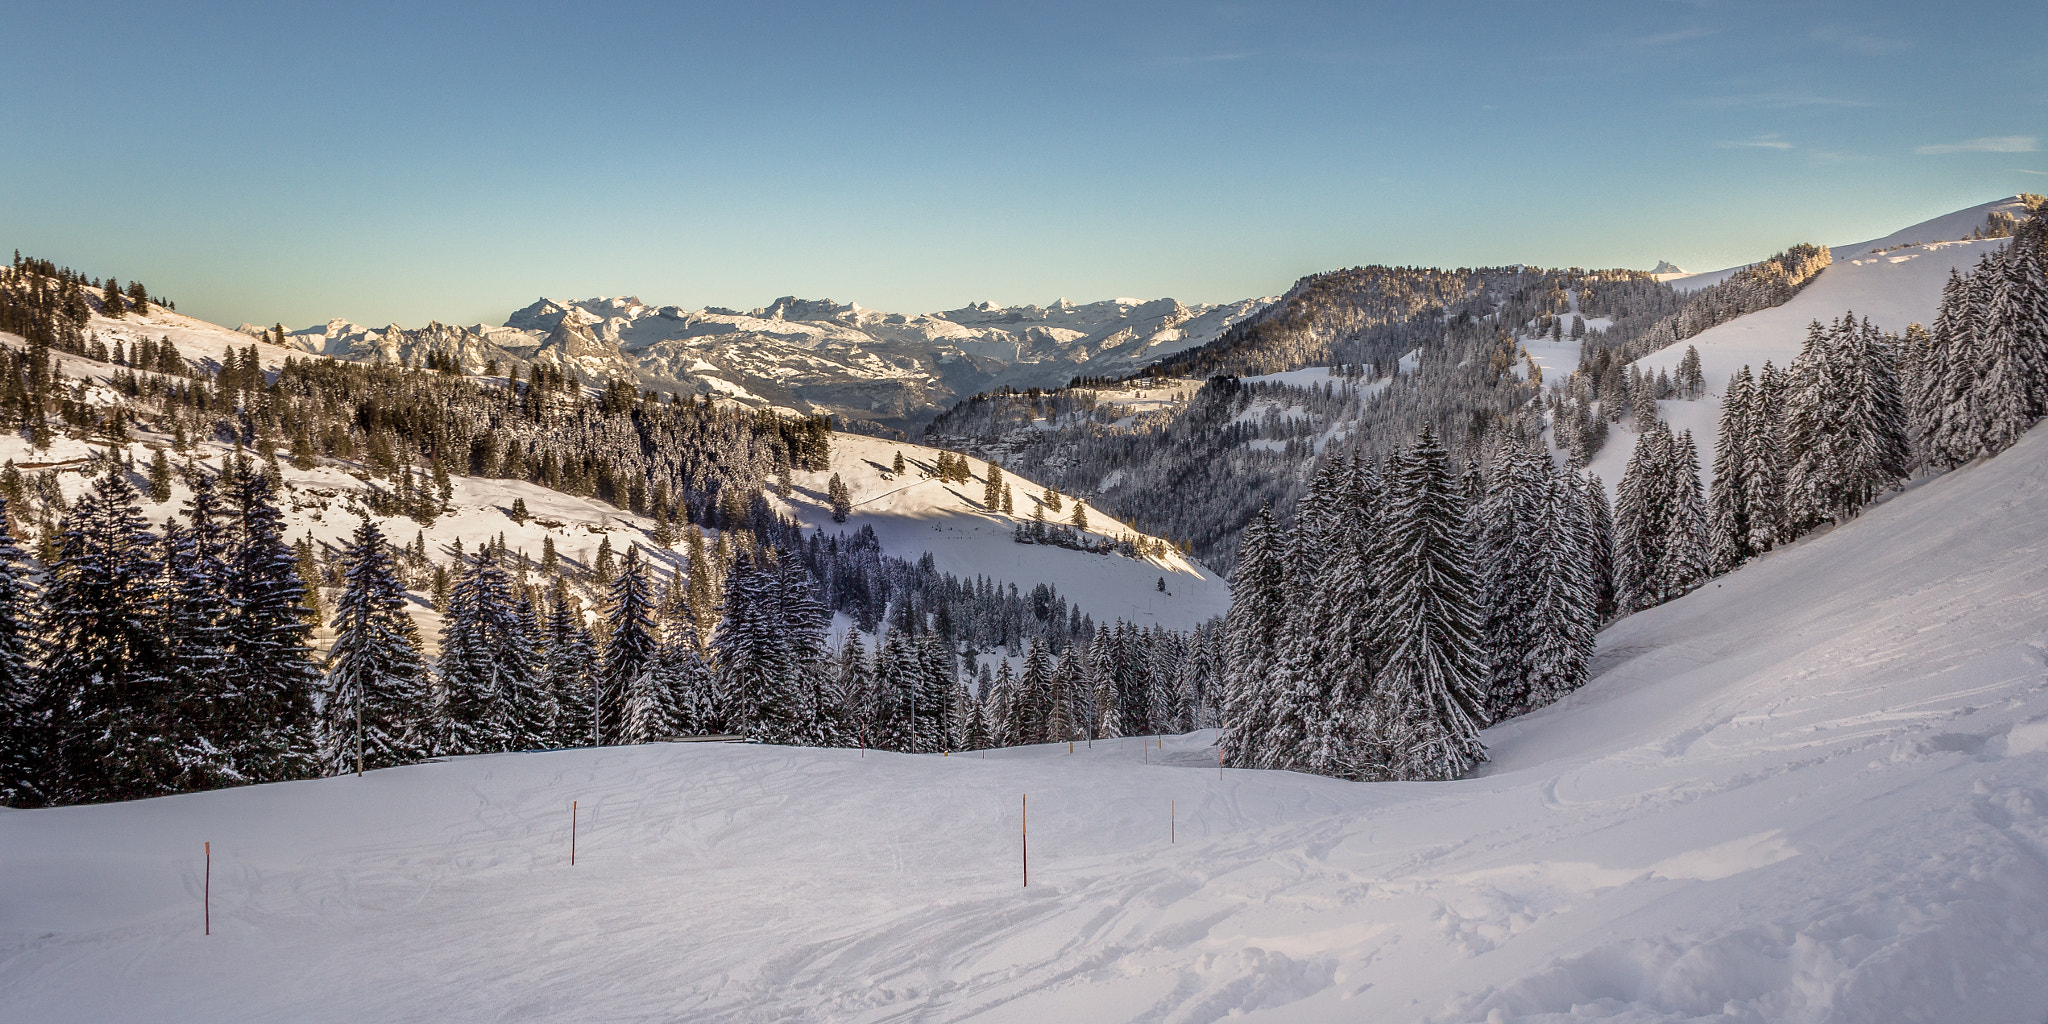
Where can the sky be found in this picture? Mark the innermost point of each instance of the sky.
(399, 163)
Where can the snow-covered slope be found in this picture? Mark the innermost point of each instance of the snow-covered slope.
(911, 516)
(1948, 227)
(917, 513)
(1810, 792)
(1890, 280)
(809, 355)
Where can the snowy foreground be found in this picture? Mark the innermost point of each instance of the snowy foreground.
(1815, 791)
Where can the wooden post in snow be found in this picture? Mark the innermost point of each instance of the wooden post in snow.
(572, 833)
(1024, 833)
(1172, 821)
(208, 898)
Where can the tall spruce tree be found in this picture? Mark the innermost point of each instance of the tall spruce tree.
(105, 704)
(1512, 532)
(630, 646)
(1684, 566)
(489, 686)
(1762, 477)
(374, 700)
(1642, 515)
(1431, 692)
(1255, 624)
(567, 672)
(1565, 621)
(1727, 512)
(195, 616)
(271, 666)
(753, 663)
(22, 731)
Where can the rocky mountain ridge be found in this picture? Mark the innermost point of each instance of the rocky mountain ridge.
(891, 370)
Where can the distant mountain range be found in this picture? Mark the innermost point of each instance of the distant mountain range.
(814, 356)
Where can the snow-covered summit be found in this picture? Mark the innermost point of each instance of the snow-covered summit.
(810, 355)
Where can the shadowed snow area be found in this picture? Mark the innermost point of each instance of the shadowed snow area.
(1813, 791)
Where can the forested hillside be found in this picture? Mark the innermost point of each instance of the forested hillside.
(184, 606)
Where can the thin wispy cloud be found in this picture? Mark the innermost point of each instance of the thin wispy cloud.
(1772, 141)
(1667, 38)
(1777, 101)
(1205, 58)
(1861, 43)
(2023, 170)
(1987, 144)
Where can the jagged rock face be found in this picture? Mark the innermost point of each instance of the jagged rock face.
(812, 355)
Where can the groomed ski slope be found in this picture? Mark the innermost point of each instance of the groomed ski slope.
(1816, 790)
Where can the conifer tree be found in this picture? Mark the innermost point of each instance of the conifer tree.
(159, 477)
(104, 703)
(1941, 380)
(840, 498)
(1684, 565)
(489, 691)
(1727, 511)
(567, 672)
(374, 699)
(1430, 693)
(23, 733)
(856, 683)
(1642, 511)
(934, 673)
(193, 617)
(1034, 689)
(1512, 532)
(1060, 721)
(2011, 367)
(759, 667)
(1255, 624)
(1001, 707)
(992, 490)
(798, 710)
(1564, 622)
(630, 646)
(1762, 471)
(270, 667)
(1877, 446)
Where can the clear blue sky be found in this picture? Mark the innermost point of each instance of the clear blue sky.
(297, 162)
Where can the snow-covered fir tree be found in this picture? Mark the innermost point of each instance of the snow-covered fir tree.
(21, 726)
(567, 673)
(270, 668)
(630, 647)
(374, 710)
(1255, 625)
(109, 730)
(490, 695)
(1429, 697)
